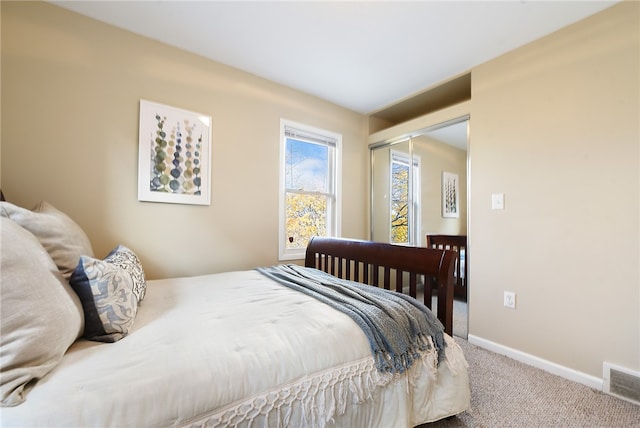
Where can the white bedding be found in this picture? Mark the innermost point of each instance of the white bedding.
(237, 349)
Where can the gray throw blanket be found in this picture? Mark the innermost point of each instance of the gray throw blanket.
(397, 326)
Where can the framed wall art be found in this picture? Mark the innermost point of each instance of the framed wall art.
(450, 195)
(174, 161)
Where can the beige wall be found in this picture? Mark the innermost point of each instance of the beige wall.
(70, 93)
(555, 126)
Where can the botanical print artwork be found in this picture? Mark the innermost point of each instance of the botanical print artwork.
(175, 158)
(174, 155)
(449, 194)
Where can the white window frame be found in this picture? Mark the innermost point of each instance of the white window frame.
(334, 219)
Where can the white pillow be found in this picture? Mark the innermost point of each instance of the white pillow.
(58, 233)
(40, 314)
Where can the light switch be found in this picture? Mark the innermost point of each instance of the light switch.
(497, 201)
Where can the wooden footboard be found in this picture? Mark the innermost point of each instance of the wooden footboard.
(457, 243)
(393, 267)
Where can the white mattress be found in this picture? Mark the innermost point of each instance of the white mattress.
(237, 349)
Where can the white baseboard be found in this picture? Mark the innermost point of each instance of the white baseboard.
(548, 366)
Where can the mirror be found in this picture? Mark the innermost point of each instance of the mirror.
(407, 203)
(419, 188)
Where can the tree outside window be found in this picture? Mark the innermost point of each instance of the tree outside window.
(405, 199)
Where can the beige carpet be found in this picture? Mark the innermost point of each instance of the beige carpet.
(507, 393)
(510, 394)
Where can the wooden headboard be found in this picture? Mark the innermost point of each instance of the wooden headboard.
(389, 266)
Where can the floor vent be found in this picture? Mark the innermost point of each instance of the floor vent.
(621, 382)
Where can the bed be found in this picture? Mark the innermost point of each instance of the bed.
(226, 349)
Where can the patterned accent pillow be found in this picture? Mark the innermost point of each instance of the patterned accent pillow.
(126, 259)
(108, 300)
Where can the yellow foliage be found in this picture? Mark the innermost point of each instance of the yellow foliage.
(306, 216)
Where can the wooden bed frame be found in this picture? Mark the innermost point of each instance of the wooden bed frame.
(383, 265)
(457, 243)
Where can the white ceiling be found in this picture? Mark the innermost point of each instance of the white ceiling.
(363, 55)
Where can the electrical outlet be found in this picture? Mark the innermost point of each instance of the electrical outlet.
(510, 299)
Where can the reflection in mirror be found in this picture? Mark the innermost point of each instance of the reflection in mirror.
(407, 204)
(396, 202)
(418, 188)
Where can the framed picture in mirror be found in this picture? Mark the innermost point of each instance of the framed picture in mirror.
(450, 195)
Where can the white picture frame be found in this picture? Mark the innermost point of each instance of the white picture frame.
(174, 158)
(450, 195)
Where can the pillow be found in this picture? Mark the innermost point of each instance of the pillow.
(39, 313)
(126, 259)
(58, 233)
(108, 300)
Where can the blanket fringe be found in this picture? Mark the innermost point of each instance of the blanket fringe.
(316, 400)
(455, 360)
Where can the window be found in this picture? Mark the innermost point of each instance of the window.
(309, 189)
(404, 203)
